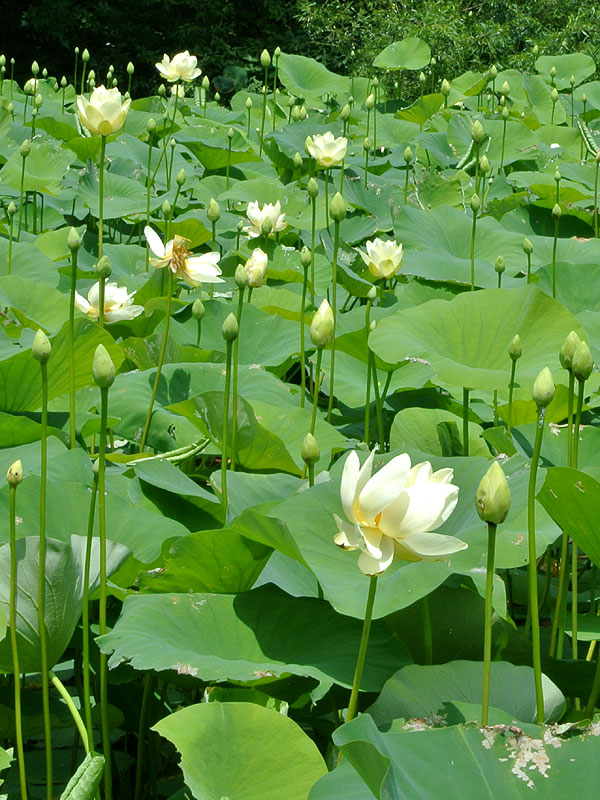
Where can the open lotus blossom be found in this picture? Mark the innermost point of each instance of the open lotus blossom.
(118, 303)
(393, 513)
(181, 68)
(256, 268)
(257, 216)
(383, 257)
(104, 113)
(326, 149)
(175, 254)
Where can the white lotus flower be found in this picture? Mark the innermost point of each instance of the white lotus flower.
(104, 113)
(257, 216)
(175, 254)
(392, 514)
(326, 149)
(383, 257)
(118, 303)
(181, 68)
(256, 268)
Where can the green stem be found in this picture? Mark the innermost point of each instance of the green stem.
(72, 440)
(103, 591)
(489, 608)
(528, 268)
(577, 424)
(558, 625)
(224, 446)
(594, 693)
(302, 339)
(378, 402)
(264, 112)
(167, 139)
(366, 168)
(511, 386)
(596, 198)
(228, 164)
(554, 245)
(316, 387)
(427, 633)
(13, 640)
(101, 210)
(495, 407)
(313, 201)
(465, 421)
(85, 612)
(21, 195)
(570, 418)
(473, 232)
(406, 184)
(362, 650)
(148, 187)
(161, 358)
(574, 601)
(326, 173)
(11, 226)
(368, 386)
(234, 399)
(141, 741)
(503, 143)
(72, 708)
(336, 247)
(275, 71)
(532, 569)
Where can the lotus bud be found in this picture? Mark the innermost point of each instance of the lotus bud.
(151, 126)
(433, 62)
(277, 52)
(296, 115)
(484, 165)
(248, 103)
(41, 347)
(73, 240)
(166, 208)
(535, 50)
(372, 293)
(241, 276)
(10, 108)
(302, 113)
(477, 132)
(499, 266)
(63, 82)
(572, 81)
(370, 102)
(310, 450)
(162, 90)
(92, 75)
(543, 388)
(266, 226)
(25, 148)
(291, 101)
(230, 329)
(493, 71)
(338, 207)
(230, 133)
(321, 327)
(492, 499)
(408, 154)
(2, 60)
(567, 351)
(38, 100)
(180, 178)
(345, 113)
(527, 246)
(367, 144)
(445, 89)
(553, 72)
(515, 348)
(422, 78)
(557, 175)
(305, 257)
(475, 203)
(213, 212)
(205, 83)
(375, 81)
(198, 310)
(505, 113)
(556, 212)
(584, 98)
(554, 94)
(312, 187)
(502, 101)
(265, 59)
(505, 89)
(14, 476)
(297, 160)
(103, 368)
(35, 68)
(85, 56)
(12, 209)
(103, 267)
(130, 68)
(583, 363)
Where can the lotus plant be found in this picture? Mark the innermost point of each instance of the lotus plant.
(257, 216)
(383, 258)
(118, 303)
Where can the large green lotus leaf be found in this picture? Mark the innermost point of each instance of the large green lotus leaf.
(245, 489)
(34, 304)
(577, 285)
(423, 428)
(27, 262)
(578, 65)
(242, 751)
(211, 151)
(410, 53)
(538, 92)
(519, 142)
(45, 167)
(63, 592)
(344, 782)
(122, 196)
(466, 340)
(20, 381)
(16, 430)
(420, 690)
(305, 77)
(422, 109)
(263, 633)
(168, 477)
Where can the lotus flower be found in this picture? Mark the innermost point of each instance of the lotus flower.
(175, 254)
(104, 113)
(326, 149)
(181, 68)
(256, 268)
(383, 258)
(257, 216)
(118, 303)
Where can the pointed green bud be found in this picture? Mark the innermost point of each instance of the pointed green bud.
(372, 293)
(241, 276)
(345, 113)
(475, 203)
(291, 101)
(230, 133)
(73, 240)
(205, 83)
(553, 72)
(198, 310)
(12, 209)
(213, 212)
(422, 78)
(230, 329)
(14, 476)
(583, 363)
(492, 498)
(41, 347)
(265, 59)
(103, 368)
(103, 267)
(408, 155)
(312, 187)
(76, 51)
(584, 98)
(515, 348)
(572, 80)
(35, 68)
(445, 89)
(567, 351)
(484, 165)
(433, 61)
(505, 89)
(166, 208)
(477, 132)
(554, 94)
(302, 113)
(505, 113)
(535, 50)
(130, 68)
(321, 327)
(85, 56)
(543, 388)
(493, 71)
(162, 90)
(38, 101)
(370, 102)
(277, 52)
(557, 175)
(296, 114)
(25, 148)
(556, 212)
(248, 103)
(2, 60)
(180, 178)
(367, 144)
(527, 246)
(310, 450)
(151, 125)
(338, 208)
(305, 257)
(63, 82)
(297, 160)
(499, 266)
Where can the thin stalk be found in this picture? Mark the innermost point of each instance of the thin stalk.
(103, 591)
(465, 421)
(487, 642)
(503, 143)
(316, 387)
(225, 437)
(161, 358)
(511, 387)
(362, 650)
(141, 740)
(473, 233)
(264, 112)
(554, 245)
(148, 186)
(313, 201)
(594, 693)
(72, 440)
(580, 395)
(427, 633)
(85, 613)
(336, 246)
(596, 198)
(58, 684)
(13, 640)
(570, 418)
(302, 339)
(528, 268)
(532, 569)
(366, 167)
(311, 475)
(167, 139)
(556, 637)
(574, 548)
(101, 212)
(368, 386)
(378, 401)
(327, 199)
(75, 69)
(21, 195)
(406, 184)
(275, 71)
(234, 399)
(227, 168)
(11, 225)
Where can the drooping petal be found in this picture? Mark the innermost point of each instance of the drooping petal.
(202, 269)
(155, 242)
(123, 313)
(383, 488)
(431, 546)
(370, 565)
(348, 536)
(81, 303)
(350, 475)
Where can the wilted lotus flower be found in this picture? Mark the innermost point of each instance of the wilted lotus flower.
(104, 113)
(383, 258)
(256, 268)
(194, 270)
(257, 217)
(392, 514)
(326, 149)
(118, 304)
(181, 68)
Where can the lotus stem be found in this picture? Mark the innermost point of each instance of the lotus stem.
(378, 401)
(558, 624)
(148, 186)
(427, 632)
(326, 174)
(11, 225)
(336, 247)
(504, 143)
(313, 201)
(596, 197)
(368, 386)
(554, 246)
(234, 399)
(57, 683)
(317, 384)
(85, 612)
(511, 386)
(72, 433)
(465, 421)
(302, 337)
(22, 198)
(472, 254)
(489, 608)
(225, 437)
(100, 216)
(141, 740)
(362, 650)
(167, 138)
(263, 112)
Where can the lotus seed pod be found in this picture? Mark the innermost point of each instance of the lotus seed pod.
(370, 102)
(312, 187)
(241, 276)
(166, 208)
(554, 94)
(583, 363)
(130, 68)
(180, 178)
(505, 113)
(198, 310)
(445, 89)
(305, 257)
(499, 266)
(475, 203)
(543, 388)
(213, 212)
(535, 50)
(338, 207)
(367, 145)
(103, 267)
(556, 212)
(12, 209)
(492, 498)
(321, 327)
(73, 240)
(345, 112)
(103, 368)
(297, 160)
(310, 450)
(266, 226)
(151, 125)
(162, 90)
(484, 165)
(477, 132)
(14, 476)
(408, 154)
(41, 347)
(25, 148)
(515, 348)
(265, 59)
(230, 329)
(567, 351)
(493, 71)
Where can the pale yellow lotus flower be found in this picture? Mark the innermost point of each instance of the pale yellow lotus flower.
(181, 67)
(383, 257)
(175, 254)
(105, 112)
(393, 513)
(326, 149)
(118, 303)
(257, 216)
(256, 268)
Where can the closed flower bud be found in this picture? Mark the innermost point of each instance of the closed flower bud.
(312, 187)
(372, 293)
(310, 450)
(305, 257)
(63, 82)
(14, 476)
(2, 60)
(527, 246)
(433, 62)
(422, 78)
(103, 268)
(499, 266)
(345, 112)
(241, 277)
(248, 103)
(25, 148)
(297, 160)
(205, 83)
(554, 94)
(198, 310)
(484, 165)
(535, 50)
(166, 208)
(296, 114)
(492, 499)
(230, 133)
(572, 80)
(256, 268)
(477, 132)
(291, 101)
(445, 89)
(408, 154)
(567, 351)
(35, 68)
(103, 368)
(493, 71)
(515, 348)
(213, 212)
(265, 59)
(38, 100)
(370, 102)
(180, 177)
(85, 56)
(73, 240)
(474, 203)
(162, 90)
(277, 52)
(367, 144)
(505, 89)
(12, 209)
(41, 347)
(321, 327)
(583, 363)
(557, 175)
(505, 113)
(151, 125)
(556, 212)
(230, 329)
(543, 388)
(338, 207)
(553, 72)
